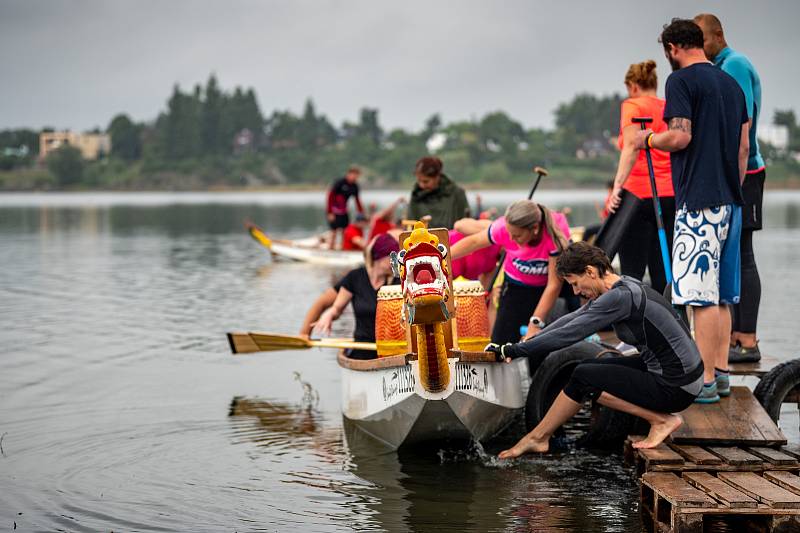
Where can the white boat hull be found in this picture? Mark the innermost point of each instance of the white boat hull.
(391, 406)
(300, 251)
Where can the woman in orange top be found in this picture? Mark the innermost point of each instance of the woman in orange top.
(631, 196)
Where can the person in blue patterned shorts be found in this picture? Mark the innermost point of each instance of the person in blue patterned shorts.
(707, 138)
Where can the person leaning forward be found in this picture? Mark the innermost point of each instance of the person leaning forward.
(664, 379)
(436, 195)
(708, 141)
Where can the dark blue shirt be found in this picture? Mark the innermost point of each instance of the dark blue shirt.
(706, 172)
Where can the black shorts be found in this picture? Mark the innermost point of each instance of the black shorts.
(753, 191)
(339, 221)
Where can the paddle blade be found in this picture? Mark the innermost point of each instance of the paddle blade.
(265, 342)
(259, 235)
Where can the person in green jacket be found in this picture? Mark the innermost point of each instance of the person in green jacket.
(436, 195)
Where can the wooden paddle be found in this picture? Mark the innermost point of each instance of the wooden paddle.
(251, 342)
(258, 234)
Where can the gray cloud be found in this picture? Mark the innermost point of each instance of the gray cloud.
(76, 63)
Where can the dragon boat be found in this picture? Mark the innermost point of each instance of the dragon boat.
(432, 380)
(309, 250)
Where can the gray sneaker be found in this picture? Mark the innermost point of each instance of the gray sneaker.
(723, 382)
(740, 354)
(708, 394)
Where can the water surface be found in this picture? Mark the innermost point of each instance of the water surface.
(121, 408)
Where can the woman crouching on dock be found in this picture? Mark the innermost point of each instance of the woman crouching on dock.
(664, 379)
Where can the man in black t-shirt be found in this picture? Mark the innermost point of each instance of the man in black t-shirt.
(708, 141)
(338, 195)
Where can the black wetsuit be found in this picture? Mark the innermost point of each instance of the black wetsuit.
(665, 377)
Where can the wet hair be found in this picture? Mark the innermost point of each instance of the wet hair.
(642, 74)
(527, 213)
(682, 33)
(579, 256)
(429, 166)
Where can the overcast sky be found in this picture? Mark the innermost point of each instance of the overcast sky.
(77, 63)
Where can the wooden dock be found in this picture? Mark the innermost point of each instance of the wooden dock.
(728, 463)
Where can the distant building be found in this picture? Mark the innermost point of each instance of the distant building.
(91, 145)
(777, 136)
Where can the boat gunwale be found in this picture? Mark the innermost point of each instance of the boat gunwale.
(394, 361)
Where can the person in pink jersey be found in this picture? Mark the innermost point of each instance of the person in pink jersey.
(532, 237)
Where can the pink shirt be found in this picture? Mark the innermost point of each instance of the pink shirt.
(527, 265)
(477, 263)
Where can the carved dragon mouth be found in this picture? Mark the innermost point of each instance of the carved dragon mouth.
(426, 283)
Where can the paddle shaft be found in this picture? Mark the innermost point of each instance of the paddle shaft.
(662, 235)
(539, 173)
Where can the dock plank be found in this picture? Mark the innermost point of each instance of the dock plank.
(773, 456)
(792, 449)
(677, 491)
(720, 490)
(786, 480)
(661, 454)
(735, 456)
(696, 454)
(758, 416)
(762, 489)
(737, 420)
(758, 368)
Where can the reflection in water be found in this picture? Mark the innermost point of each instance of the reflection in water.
(427, 488)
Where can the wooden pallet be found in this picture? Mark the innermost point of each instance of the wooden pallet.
(673, 457)
(736, 420)
(745, 501)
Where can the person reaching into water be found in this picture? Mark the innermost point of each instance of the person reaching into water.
(632, 195)
(336, 208)
(532, 237)
(360, 287)
(663, 379)
(436, 195)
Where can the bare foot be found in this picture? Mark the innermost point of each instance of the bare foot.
(526, 444)
(659, 432)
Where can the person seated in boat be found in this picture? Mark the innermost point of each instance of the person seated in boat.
(532, 237)
(663, 379)
(353, 238)
(436, 195)
(383, 221)
(336, 208)
(359, 287)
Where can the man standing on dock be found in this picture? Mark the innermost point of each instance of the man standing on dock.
(707, 137)
(743, 342)
(336, 208)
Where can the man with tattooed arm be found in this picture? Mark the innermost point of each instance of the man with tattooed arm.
(707, 138)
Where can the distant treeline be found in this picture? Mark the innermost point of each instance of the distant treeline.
(208, 138)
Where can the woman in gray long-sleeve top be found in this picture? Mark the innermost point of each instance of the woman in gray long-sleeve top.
(665, 378)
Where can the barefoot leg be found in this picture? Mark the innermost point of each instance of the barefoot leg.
(538, 440)
(661, 424)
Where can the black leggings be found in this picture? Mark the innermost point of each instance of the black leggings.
(640, 248)
(626, 378)
(517, 303)
(745, 313)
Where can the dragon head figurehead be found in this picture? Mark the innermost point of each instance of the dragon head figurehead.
(422, 270)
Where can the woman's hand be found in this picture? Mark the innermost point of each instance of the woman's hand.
(323, 325)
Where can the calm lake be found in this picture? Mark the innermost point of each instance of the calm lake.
(121, 408)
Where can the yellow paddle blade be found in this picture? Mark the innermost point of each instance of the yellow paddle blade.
(259, 235)
(251, 342)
